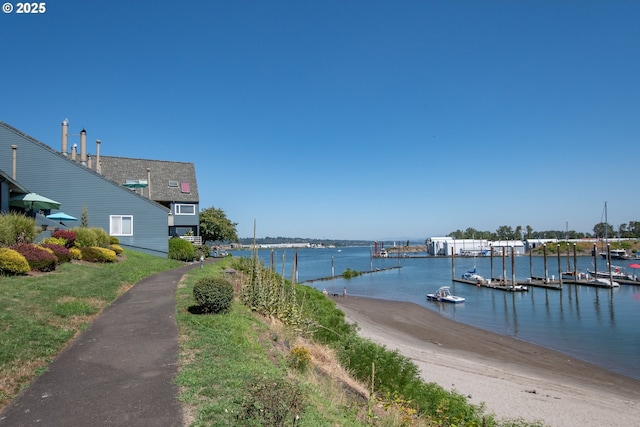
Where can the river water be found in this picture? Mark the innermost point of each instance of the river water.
(598, 325)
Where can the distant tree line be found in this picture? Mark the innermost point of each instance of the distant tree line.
(506, 232)
(325, 242)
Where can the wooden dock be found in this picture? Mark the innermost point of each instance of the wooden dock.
(500, 285)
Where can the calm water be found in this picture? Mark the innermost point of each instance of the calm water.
(601, 326)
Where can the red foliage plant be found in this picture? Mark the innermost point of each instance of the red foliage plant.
(61, 252)
(39, 259)
(68, 235)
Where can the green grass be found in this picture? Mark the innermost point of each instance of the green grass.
(40, 314)
(227, 358)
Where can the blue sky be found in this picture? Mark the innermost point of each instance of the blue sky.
(350, 119)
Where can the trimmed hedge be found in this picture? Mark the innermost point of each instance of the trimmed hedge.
(60, 251)
(13, 262)
(213, 294)
(39, 258)
(69, 236)
(181, 249)
(97, 254)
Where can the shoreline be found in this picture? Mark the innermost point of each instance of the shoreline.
(514, 378)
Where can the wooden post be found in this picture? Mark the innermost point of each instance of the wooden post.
(609, 264)
(504, 266)
(491, 255)
(513, 266)
(559, 267)
(453, 262)
(575, 262)
(595, 260)
(546, 270)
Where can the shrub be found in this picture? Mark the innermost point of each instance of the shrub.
(75, 253)
(272, 402)
(85, 238)
(60, 251)
(113, 240)
(299, 358)
(69, 237)
(97, 254)
(39, 258)
(213, 294)
(181, 249)
(16, 228)
(13, 262)
(349, 273)
(202, 250)
(54, 241)
(102, 237)
(116, 248)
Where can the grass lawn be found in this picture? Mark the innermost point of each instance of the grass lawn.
(40, 314)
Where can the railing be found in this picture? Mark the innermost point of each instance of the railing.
(196, 240)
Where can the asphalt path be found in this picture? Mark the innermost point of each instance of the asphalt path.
(119, 372)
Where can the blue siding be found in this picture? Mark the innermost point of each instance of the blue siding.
(42, 170)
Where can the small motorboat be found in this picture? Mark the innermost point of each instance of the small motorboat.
(443, 294)
(473, 276)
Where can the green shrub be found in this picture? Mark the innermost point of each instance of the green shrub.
(16, 228)
(272, 402)
(202, 250)
(213, 294)
(113, 240)
(13, 262)
(85, 237)
(102, 237)
(181, 249)
(39, 258)
(97, 254)
(349, 273)
(54, 241)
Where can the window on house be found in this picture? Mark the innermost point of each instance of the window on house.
(184, 187)
(173, 184)
(185, 209)
(121, 225)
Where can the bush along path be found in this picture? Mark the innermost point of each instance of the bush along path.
(120, 371)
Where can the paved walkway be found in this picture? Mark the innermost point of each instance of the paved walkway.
(118, 372)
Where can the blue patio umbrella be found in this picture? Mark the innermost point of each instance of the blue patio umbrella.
(61, 216)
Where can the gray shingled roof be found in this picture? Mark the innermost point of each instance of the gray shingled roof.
(166, 180)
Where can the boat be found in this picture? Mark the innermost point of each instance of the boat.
(472, 275)
(617, 273)
(443, 294)
(615, 254)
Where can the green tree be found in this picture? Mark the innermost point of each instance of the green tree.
(603, 229)
(216, 227)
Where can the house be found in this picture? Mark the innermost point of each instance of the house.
(26, 163)
(171, 184)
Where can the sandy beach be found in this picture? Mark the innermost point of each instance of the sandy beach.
(513, 378)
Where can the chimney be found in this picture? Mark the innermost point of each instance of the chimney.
(89, 162)
(83, 147)
(74, 150)
(14, 156)
(149, 183)
(98, 168)
(65, 136)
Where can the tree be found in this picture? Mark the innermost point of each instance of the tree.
(603, 229)
(216, 227)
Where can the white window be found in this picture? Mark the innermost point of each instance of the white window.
(185, 209)
(121, 225)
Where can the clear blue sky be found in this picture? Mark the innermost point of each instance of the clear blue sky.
(350, 119)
